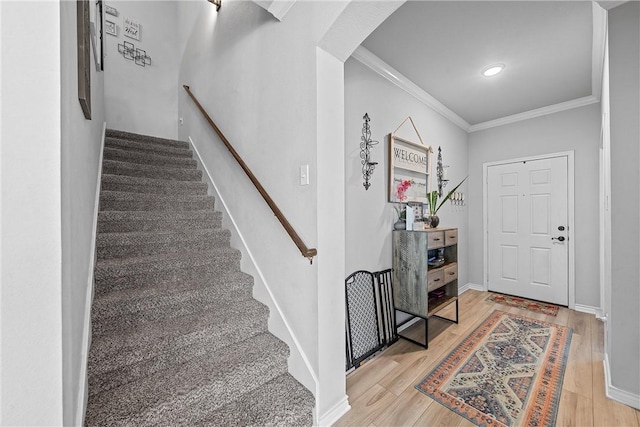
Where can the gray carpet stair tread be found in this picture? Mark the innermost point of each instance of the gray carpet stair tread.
(151, 186)
(174, 353)
(132, 145)
(111, 268)
(187, 304)
(112, 133)
(152, 158)
(138, 343)
(119, 245)
(236, 283)
(126, 221)
(117, 167)
(181, 395)
(121, 201)
(177, 338)
(137, 300)
(280, 402)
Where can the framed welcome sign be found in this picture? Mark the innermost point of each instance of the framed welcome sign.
(409, 167)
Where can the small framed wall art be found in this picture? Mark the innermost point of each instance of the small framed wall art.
(110, 28)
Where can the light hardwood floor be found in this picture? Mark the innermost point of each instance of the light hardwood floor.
(381, 393)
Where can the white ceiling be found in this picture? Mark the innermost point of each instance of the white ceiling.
(441, 46)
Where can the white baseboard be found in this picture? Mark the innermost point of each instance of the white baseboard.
(409, 323)
(596, 311)
(333, 415)
(614, 393)
(306, 375)
(83, 387)
(468, 286)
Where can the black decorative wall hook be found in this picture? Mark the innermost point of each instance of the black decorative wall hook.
(365, 152)
(442, 182)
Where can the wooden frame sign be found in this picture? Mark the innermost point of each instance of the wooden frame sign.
(409, 166)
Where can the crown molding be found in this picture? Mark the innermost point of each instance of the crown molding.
(380, 67)
(550, 109)
(369, 59)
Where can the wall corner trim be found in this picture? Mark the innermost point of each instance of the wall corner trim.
(279, 8)
(614, 393)
(332, 415)
(245, 250)
(83, 387)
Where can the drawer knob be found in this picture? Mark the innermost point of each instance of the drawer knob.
(436, 280)
(436, 239)
(451, 273)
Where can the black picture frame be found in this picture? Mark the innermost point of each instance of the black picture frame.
(84, 57)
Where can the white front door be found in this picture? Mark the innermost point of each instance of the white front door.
(527, 218)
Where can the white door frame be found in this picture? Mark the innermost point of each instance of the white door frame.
(570, 226)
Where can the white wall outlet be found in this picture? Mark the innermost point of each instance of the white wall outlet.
(304, 175)
(181, 120)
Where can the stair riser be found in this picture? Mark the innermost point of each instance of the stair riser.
(155, 189)
(130, 169)
(153, 248)
(107, 283)
(148, 205)
(146, 139)
(148, 158)
(214, 220)
(134, 146)
(208, 340)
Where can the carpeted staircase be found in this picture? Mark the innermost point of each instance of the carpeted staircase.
(177, 338)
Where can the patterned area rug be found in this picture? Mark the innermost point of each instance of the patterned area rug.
(507, 372)
(536, 306)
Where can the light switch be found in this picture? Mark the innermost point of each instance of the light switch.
(304, 175)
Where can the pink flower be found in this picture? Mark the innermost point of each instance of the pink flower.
(402, 187)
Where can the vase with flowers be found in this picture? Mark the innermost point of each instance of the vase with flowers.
(401, 196)
(434, 206)
(401, 223)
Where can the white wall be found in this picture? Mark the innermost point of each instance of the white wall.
(369, 218)
(80, 153)
(269, 113)
(624, 60)
(30, 259)
(578, 130)
(144, 99)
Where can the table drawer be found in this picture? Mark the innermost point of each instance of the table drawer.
(435, 280)
(435, 240)
(451, 237)
(450, 273)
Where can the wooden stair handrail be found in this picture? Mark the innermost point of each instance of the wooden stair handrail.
(306, 252)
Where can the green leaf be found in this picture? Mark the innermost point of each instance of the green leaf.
(448, 195)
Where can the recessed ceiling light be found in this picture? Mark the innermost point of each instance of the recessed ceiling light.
(492, 70)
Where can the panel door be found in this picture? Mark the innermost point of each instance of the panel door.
(527, 229)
